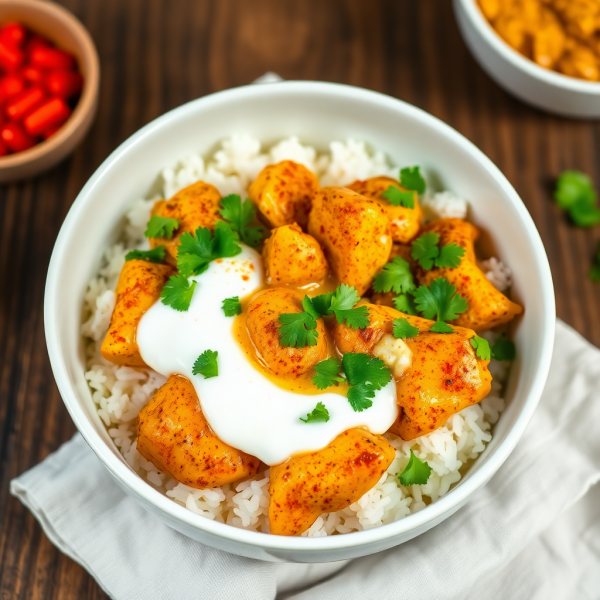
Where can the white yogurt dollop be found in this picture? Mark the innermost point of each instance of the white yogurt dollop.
(244, 408)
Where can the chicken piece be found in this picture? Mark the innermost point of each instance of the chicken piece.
(175, 437)
(195, 206)
(548, 40)
(283, 193)
(490, 8)
(293, 258)
(138, 288)
(263, 325)
(354, 232)
(488, 307)
(405, 222)
(581, 62)
(331, 479)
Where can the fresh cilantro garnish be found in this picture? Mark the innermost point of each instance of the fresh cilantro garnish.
(232, 306)
(365, 374)
(320, 414)
(482, 347)
(178, 292)
(575, 193)
(340, 303)
(426, 251)
(417, 471)
(240, 215)
(402, 329)
(440, 300)
(206, 364)
(394, 277)
(411, 179)
(297, 330)
(156, 255)
(441, 327)
(196, 251)
(328, 373)
(397, 197)
(503, 349)
(405, 303)
(161, 227)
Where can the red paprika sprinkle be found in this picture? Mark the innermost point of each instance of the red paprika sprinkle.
(51, 58)
(15, 138)
(11, 58)
(24, 103)
(51, 113)
(10, 85)
(64, 84)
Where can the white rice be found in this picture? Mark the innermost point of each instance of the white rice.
(121, 392)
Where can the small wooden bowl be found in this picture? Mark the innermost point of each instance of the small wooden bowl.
(64, 30)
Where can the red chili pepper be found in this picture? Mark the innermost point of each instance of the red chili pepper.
(10, 85)
(24, 103)
(64, 84)
(52, 59)
(36, 41)
(3, 149)
(50, 114)
(11, 57)
(15, 138)
(13, 34)
(33, 74)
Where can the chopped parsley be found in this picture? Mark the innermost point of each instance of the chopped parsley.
(440, 300)
(427, 252)
(417, 471)
(297, 330)
(340, 303)
(196, 251)
(394, 277)
(161, 227)
(441, 327)
(482, 347)
(503, 349)
(206, 364)
(156, 255)
(178, 292)
(320, 414)
(411, 179)
(402, 329)
(366, 375)
(405, 303)
(397, 197)
(232, 306)
(575, 193)
(328, 373)
(240, 215)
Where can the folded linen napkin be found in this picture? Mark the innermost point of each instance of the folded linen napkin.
(532, 532)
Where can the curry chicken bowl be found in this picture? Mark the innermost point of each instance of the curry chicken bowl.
(299, 343)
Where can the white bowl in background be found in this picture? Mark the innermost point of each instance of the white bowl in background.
(520, 76)
(318, 113)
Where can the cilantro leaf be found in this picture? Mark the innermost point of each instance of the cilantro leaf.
(417, 471)
(328, 373)
(161, 227)
(240, 215)
(440, 300)
(503, 349)
(232, 306)
(425, 249)
(402, 329)
(156, 255)
(584, 215)
(341, 304)
(482, 347)
(178, 292)
(206, 364)
(405, 303)
(321, 304)
(362, 369)
(398, 197)
(307, 305)
(441, 327)
(395, 276)
(360, 396)
(344, 298)
(450, 256)
(573, 187)
(411, 179)
(356, 318)
(319, 414)
(225, 242)
(297, 330)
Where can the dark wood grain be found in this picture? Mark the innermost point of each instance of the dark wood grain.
(157, 54)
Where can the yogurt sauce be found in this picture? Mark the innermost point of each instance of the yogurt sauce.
(244, 408)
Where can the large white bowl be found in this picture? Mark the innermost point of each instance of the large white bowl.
(522, 77)
(318, 113)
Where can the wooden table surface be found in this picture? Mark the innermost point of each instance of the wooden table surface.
(156, 55)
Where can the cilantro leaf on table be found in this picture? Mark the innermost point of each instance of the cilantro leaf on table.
(402, 329)
(398, 197)
(481, 347)
(161, 227)
(232, 306)
(594, 272)
(320, 414)
(156, 255)
(503, 349)
(417, 471)
(450, 256)
(411, 179)
(340, 303)
(394, 277)
(405, 303)
(240, 215)
(575, 193)
(328, 373)
(178, 292)
(441, 327)
(206, 364)
(425, 249)
(297, 330)
(440, 300)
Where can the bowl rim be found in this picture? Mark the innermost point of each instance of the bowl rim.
(87, 99)
(478, 20)
(179, 514)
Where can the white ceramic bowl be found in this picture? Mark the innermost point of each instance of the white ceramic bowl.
(521, 77)
(319, 113)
